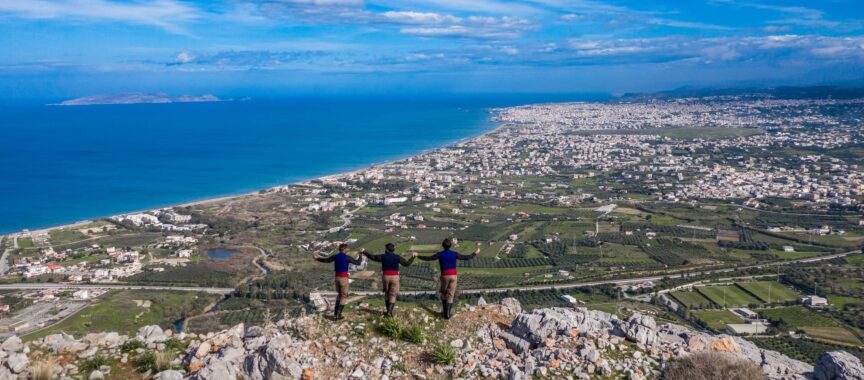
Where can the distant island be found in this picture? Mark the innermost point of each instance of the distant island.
(138, 98)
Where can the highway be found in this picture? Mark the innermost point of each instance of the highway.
(38, 286)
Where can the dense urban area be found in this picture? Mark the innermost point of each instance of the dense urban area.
(733, 214)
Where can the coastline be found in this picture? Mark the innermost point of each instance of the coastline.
(495, 126)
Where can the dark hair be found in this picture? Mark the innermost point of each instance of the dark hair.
(343, 247)
(390, 247)
(447, 243)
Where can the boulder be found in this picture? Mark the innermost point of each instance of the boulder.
(12, 344)
(18, 362)
(274, 360)
(543, 323)
(217, 369)
(641, 329)
(511, 306)
(107, 340)
(64, 343)
(839, 365)
(725, 344)
(151, 334)
(515, 343)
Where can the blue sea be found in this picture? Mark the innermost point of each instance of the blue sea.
(64, 164)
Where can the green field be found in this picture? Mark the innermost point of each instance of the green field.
(717, 319)
(732, 295)
(770, 291)
(118, 311)
(798, 316)
(692, 299)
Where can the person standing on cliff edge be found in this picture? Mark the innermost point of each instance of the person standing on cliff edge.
(390, 262)
(340, 265)
(447, 261)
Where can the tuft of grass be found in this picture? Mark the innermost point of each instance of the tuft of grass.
(712, 366)
(145, 362)
(131, 345)
(175, 344)
(43, 369)
(92, 363)
(413, 334)
(162, 361)
(443, 354)
(391, 327)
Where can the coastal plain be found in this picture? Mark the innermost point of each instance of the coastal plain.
(687, 208)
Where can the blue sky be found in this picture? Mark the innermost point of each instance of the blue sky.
(64, 48)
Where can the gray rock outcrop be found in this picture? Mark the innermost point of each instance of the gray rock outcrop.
(838, 365)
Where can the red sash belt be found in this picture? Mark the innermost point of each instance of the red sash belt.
(391, 272)
(341, 274)
(448, 272)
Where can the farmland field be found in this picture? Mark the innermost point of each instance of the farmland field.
(832, 334)
(798, 316)
(691, 299)
(776, 294)
(733, 296)
(717, 319)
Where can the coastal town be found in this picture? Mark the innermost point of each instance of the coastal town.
(716, 211)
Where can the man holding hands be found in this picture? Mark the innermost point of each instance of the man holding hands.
(447, 262)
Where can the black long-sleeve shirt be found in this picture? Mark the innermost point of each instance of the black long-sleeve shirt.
(447, 260)
(341, 261)
(389, 262)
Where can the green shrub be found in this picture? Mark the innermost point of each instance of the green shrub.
(175, 344)
(413, 334)
(712, 366)
(92, 363)
(391, 328)
(131, 345)
(145, 362)
(443, 354)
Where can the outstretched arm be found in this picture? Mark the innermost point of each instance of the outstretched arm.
(326, 259)
(356, 261)
(428, 258)
(408, 262)
(468, 257)
(371, 256)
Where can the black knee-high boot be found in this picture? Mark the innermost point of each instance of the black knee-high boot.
(449, 311)
(390, 306)
(337, 310)
(444, 308)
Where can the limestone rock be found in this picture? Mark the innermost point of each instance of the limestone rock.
(511, 306)
(12, 344)
(18, 362)
(839, 365)
(151, 334)
(641, 329)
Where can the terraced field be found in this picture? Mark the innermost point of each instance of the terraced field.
(728, 296)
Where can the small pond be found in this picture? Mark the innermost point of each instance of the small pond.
(221, 253)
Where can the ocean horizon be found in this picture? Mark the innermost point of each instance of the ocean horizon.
(66, 164)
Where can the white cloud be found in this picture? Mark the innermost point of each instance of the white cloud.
(409, 17)
(166, 14)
